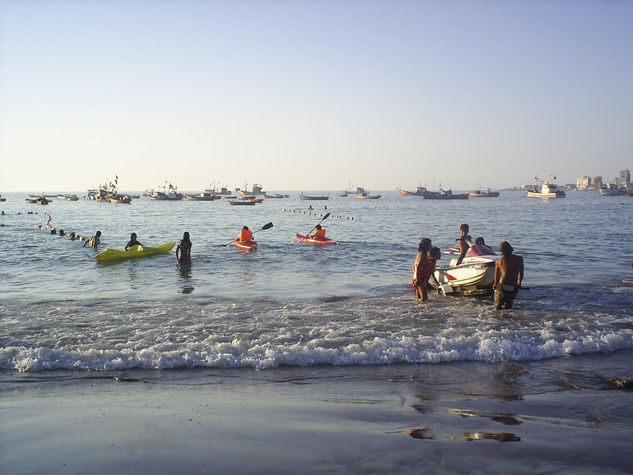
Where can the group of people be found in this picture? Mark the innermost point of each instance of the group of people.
(92, 241)
(508, 273)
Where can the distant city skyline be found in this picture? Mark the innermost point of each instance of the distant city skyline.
(313, 95)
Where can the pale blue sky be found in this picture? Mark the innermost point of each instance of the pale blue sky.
(313, 94)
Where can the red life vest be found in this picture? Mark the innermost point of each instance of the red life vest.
(246, 235)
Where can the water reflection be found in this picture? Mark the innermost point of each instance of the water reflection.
(184, 268)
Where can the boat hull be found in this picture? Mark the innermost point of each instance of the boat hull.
(249, 245)
(134, 252)
(319, 241)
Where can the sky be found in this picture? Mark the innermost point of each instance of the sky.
(313, 95)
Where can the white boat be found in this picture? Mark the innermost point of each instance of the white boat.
(169, 193)
(545, 190)
(474, 275)
(363, 194)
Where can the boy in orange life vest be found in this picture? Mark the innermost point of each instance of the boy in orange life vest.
(245, 234)
(319, 233)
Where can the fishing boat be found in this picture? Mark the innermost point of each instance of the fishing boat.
(418, 192)
(473, 276)
(42, 200)
(169, 193)
(444, 195)
(363, 194)
(68, 197)
(545, 189)
(276, 195)
(241, 202)
(204, 196)
(611, 190)
(2, 198)
(483, 194)
(121, 199)
(313, 198)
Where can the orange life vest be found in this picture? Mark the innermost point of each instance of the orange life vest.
(320, 233)
(246, 235)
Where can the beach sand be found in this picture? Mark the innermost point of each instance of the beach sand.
(556, 416)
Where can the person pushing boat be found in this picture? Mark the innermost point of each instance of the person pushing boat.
(133, 241)
(465, 241)
(508, 276)
(183, 251)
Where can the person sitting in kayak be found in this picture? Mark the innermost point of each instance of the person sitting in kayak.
(319, 233)
(245, 234)
(93, 241)
(133, 241)
(183, 251)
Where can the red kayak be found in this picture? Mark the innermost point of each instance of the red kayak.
(310, 240)
(245, 245)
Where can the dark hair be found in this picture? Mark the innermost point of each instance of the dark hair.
(505, 248)
(424, 245)
(464, 227)
(435, 252)
(480, 240)
(185, 236)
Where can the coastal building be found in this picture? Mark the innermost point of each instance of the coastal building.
(623, 180)
(583, 182)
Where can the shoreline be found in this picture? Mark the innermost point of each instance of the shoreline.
(455, 418)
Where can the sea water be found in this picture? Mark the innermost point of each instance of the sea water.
(300, 305)
(290, 303)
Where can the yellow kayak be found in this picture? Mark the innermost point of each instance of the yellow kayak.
(134, 252)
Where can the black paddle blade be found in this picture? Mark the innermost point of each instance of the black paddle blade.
(267, 226)
(328, 214)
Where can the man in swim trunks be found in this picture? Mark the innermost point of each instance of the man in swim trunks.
(133, 241)
(508, 276)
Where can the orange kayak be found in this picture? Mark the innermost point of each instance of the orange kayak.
(310, 240)
(245, 245)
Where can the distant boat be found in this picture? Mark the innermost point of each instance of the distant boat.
(611, 190)
(483, 194)
(169, 193)
(313, 198)
(444, 195)
(68, 197)
(419, 192)
(241, 202)
(545, 190)
(205, 196)
(276, 195)
(363, 194)
(121, 199)
(2, 199)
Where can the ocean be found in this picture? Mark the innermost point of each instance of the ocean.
(318, 311)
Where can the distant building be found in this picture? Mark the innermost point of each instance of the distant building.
(623, 180)
(583, 182)
(596, 182)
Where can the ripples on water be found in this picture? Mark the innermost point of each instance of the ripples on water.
(301, 305)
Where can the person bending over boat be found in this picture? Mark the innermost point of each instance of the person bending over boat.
(133, 241)
(464, 242)
(508, 276)
(423, 268)
(183, 251)
(319, 233)
(245, 234)
(93, 241)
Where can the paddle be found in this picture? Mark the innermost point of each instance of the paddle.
(265, 226)
(322, 219)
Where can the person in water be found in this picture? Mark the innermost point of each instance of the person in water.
(480, 241)
(422, 270)
(434, 255)
(133, 241)
(183, 251)
(245, 234)
(319, 232)
(94, 241)
(464, 242)
(508, 276)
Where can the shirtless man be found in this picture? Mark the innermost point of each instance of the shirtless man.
(508, 276)
(464, 242)
(133, 241)
(94, 240)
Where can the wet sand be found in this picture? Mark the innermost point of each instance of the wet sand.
(457, 418)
